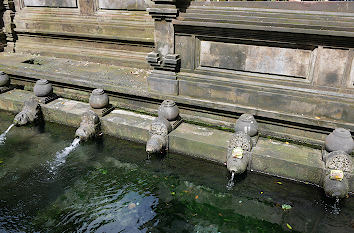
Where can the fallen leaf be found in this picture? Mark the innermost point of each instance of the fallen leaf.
(173, 193)
(288, 225)
(1, 161)
(261, 192)
(131, 205)
(286, 207)
(220, 214)
(196, 197)
(279, 182)
(318, 118)
(287, 143)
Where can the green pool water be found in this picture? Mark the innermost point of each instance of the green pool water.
(108, 186)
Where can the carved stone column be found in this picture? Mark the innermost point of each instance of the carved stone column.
(88, 7)
(9, 25)
(165, 62)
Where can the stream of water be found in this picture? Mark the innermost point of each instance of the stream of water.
(3, 135)
(60, 157)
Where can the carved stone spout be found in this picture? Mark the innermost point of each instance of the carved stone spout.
(159, 130)
(31, 113)
(338, 171)
(238, 154)
(89, 127)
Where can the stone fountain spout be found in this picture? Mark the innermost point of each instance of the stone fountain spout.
(89, 127)
(238, 153)
(240, 145)
(338, 163)
(158, 141)
(338, 170)
(31, 113)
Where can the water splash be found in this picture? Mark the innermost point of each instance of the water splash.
(336, 207)
(231, 182)
(60, 156)
(3, 135)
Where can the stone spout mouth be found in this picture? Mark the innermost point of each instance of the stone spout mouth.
(336, 188)
(155, 145)
(236, 165)
(84, 133)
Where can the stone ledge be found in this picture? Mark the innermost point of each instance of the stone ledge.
(269, 156)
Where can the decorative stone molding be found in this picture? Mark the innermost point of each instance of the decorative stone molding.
(165, 10)
(9, 25)
(99, 102)
(90, 126)
(31, 113)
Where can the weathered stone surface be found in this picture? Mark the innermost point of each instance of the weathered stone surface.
(125, 4)
(51, 3)
(258, 59)
(288, 160)
(331, 67)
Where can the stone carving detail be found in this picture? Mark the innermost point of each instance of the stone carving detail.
(238, 152)
(164, 13)
(159, 130)
(171, 62)
(90, 126)
(338, 163)
(9, 25)
(31, 113)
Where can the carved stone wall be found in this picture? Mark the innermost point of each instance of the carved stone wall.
(78, 29)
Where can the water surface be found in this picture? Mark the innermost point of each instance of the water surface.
(108, 186)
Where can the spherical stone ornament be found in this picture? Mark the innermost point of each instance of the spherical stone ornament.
(169, 110)
(43, 88)
(340, 139)
(4, 79)
(98, 99)
(247, 124)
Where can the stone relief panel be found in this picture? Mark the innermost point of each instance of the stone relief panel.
(256, 59)
(124, 4)
(51, 3)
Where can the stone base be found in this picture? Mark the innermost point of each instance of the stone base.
(47, 99)
(254, 140)
(176, 122)
(163, 82)
(5, 89)
(103, 111)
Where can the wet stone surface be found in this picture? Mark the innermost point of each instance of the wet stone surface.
(108, 186)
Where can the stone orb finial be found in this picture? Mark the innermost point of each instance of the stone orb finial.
(4, 79)
(339, 139)
(99, 99)
(247, 124)
(43, 88)
(168, 110)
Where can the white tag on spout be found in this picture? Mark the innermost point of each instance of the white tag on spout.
(237, 153)
(336, 175)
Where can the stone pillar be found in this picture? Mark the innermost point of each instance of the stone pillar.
(88, 7)
(9, 25)
(163, 60)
